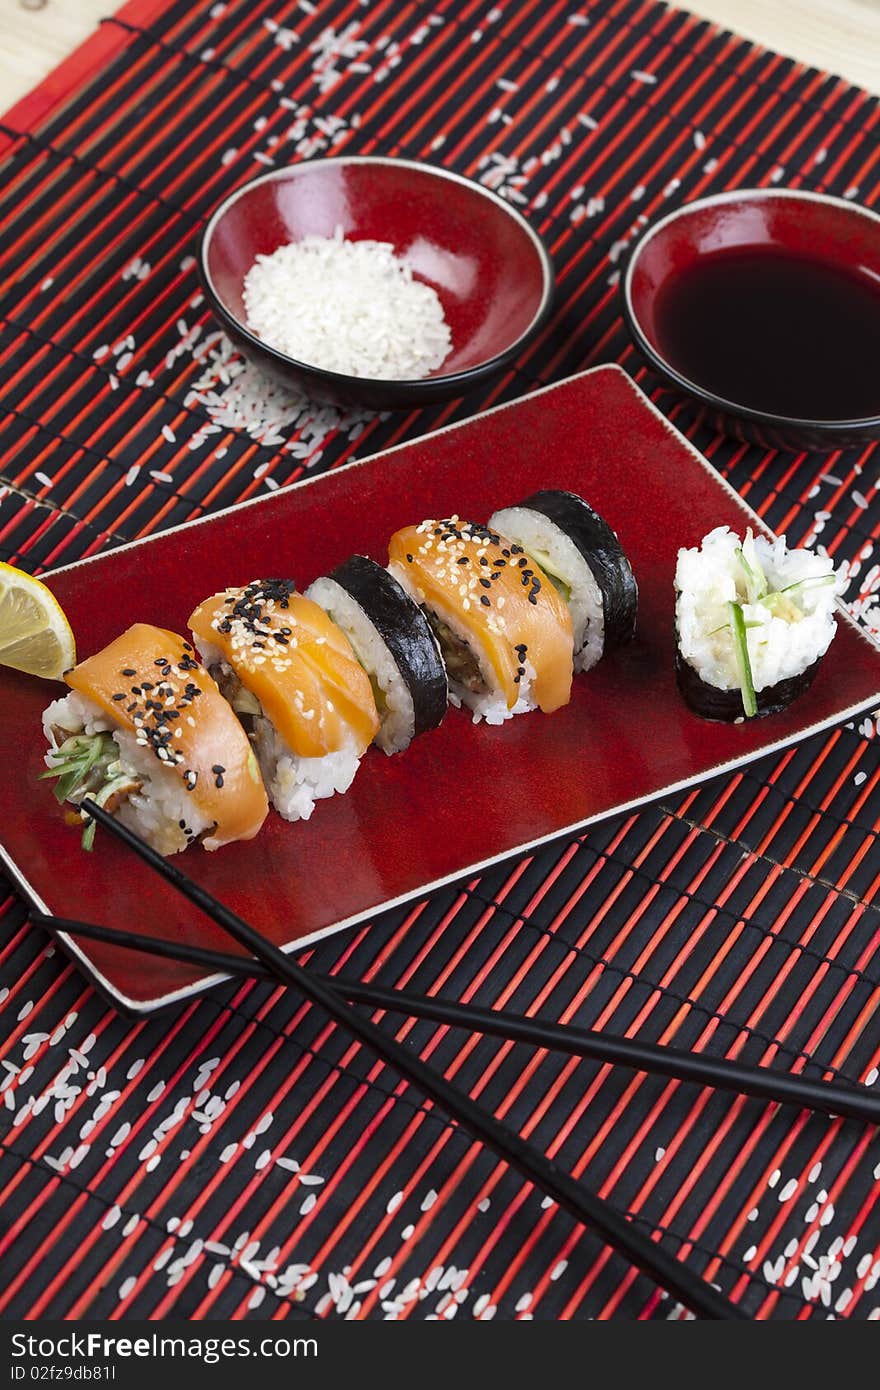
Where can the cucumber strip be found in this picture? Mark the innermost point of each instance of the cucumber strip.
(75, 759)
(89, 760)
(743, 664)
(725, 627)
(378, 693)
(814, 579)
(756, 580)
(560, 586)
(782, 607)
(541, 558)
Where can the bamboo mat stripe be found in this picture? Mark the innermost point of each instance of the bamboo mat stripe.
(241, 1158)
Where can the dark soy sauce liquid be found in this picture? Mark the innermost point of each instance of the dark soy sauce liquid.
(780, 333)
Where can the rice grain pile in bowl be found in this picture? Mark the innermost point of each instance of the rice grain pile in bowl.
(350, 307)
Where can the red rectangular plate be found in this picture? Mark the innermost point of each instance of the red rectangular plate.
(463, 796)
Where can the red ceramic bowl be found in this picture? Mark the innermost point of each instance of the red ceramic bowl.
(489, 268)
(802, 224)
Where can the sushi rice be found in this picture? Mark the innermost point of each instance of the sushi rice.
(491, 708)
(788, 627)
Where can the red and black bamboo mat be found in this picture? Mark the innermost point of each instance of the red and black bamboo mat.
(243, 1158)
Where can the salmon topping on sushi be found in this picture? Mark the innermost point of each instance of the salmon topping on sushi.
(500, 623)
(292, 658)
(148, 734)
(292, 677)
(584, 560)
(392, 640)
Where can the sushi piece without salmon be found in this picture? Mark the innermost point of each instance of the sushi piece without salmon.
(504, 632)
(753, 620)
(393, 641)
(146, 733)
(293, 679)
(583, 558)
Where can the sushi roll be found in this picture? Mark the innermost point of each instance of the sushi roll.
(583, 558)
(146, 733)
(393, 642)
(753, 620)
(504, 632)
(293, 679)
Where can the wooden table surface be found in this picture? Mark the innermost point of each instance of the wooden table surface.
(840, 36)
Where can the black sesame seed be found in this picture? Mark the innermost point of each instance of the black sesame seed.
(487, 603)
(121, 696)
(464, 560)
(409, 559)
(486, 583)
(218, 767)
(129, 671)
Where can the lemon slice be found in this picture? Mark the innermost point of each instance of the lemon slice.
(35, 636)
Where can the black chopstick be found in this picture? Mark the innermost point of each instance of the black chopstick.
(783, 1088)
(593, 1211)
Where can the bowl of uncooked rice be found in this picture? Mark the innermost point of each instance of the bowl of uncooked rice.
(375, 282)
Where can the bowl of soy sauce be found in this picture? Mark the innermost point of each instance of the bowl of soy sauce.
(763, 307)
